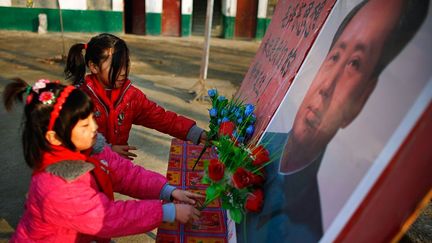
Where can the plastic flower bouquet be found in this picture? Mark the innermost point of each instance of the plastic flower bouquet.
(236, 175)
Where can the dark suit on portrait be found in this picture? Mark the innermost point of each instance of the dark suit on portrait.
(292, 209)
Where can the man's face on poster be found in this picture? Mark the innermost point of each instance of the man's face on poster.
(346, 78)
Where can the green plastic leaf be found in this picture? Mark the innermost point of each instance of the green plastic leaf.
(220, 187)
(213, 191)
(206, 163)
(206, 180)
(226, 205)
(236, 215)
(210, 192)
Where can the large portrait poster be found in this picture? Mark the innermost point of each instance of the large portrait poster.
(293, 29)
(365, 81)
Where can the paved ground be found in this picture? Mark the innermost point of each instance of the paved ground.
(164, 68)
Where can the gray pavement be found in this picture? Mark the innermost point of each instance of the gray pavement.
(164, 68)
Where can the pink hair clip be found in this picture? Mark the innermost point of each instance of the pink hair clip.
(40, 84)
(47, 98)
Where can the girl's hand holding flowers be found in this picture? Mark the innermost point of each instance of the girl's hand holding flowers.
(204, 138)
(186, 213)
(186, 196)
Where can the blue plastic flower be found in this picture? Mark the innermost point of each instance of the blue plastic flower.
(211, 92)
(250, 130)
(221, 98)
(249, 109)
(225, 119)
(240, 139)
(219, 121)
(252, 119)
(240, 120)
(213, 112)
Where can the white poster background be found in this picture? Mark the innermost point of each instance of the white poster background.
(354, 149)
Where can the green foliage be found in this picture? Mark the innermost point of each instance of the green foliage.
(213, 191)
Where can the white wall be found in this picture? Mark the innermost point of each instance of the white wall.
(75, 4)
(5, 3)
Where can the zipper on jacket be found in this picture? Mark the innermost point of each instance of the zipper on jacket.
(100, 101)
(103, 104)
(121, 97)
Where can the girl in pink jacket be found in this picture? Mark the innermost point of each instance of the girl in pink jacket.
(75, 173)
(118, 103)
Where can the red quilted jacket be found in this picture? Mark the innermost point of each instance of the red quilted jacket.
(132, 107)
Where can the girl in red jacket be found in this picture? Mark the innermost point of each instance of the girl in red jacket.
(75, 173)
(118, 103)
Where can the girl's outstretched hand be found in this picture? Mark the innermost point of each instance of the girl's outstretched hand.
(123, 150)
(186, 213)
(185, 196)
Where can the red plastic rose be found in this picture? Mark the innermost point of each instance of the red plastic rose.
(255, 201)
(242, 178)
(216, 170)
(226, 128)
(257, 179)
(260, 155)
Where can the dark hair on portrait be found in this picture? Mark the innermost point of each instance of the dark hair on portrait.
(413, 14)
(37, 116)
(96, 51)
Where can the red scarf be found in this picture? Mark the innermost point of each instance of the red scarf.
(110, 102)
(100, 172)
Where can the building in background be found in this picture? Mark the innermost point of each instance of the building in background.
(238, 19)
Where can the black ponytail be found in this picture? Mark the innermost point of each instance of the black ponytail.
(75, 66)
(37, 116)
(14, 92)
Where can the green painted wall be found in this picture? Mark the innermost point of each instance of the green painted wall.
(262, 25)
(228, 26)
(267, 23)
(153, 23)
(73, 20)
(186, 25)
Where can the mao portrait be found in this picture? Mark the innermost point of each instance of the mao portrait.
(368, 39)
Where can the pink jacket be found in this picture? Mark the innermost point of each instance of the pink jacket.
(64, 203)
